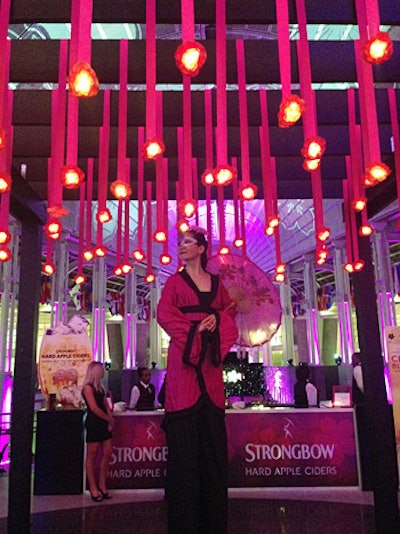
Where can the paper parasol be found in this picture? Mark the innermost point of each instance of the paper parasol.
(257, 303)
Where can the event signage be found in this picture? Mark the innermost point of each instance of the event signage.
(64, 356)
(393, 345)
(139, 457)
(275, 449)
(294, 448)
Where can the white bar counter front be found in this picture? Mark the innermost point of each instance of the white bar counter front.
(267, 447)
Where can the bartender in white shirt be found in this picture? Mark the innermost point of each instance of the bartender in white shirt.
(143, 394)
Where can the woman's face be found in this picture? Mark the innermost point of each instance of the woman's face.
(188, 248)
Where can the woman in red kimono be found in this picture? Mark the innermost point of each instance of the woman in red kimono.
(197, 313)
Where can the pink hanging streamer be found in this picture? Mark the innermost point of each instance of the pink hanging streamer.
(187, 138)
(368, 113)
(89, 198)
(222, 130)
(187, 14)
(122, 110)
(149, 228)
(208, 129)
(81, 231)
(265, 155)
(347, 221)
(394, 120)
(310, 118)
(282, 19)
(150, 68)
(243, 114)
(140, 171)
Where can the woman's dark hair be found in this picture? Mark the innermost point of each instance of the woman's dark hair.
(201, 240)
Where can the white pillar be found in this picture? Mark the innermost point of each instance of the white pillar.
(287, 319)
(155, 330)
(312, 315)
(383, 282)
(342, 284)
(99, 309)
(130, 320)
(59, 285)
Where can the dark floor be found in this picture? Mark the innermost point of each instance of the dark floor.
(246, 516)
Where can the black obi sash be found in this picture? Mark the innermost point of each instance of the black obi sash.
(209, 340)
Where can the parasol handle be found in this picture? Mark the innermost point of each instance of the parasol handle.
(231, 305)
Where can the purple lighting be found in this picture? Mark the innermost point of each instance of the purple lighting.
(5, 421)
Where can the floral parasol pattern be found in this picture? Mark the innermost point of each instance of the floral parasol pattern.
(254, 296)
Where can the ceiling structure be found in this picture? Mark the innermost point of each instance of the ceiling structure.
(38, 25)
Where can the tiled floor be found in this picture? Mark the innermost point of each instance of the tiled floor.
(280, 511)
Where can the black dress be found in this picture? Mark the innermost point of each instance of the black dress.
(96, 428)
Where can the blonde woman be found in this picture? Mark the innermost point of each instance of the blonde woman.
(99, 424)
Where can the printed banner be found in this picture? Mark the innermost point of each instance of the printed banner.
(304, 448)
(63, 361)
(275, 449)
(139, 458)
(393, 344)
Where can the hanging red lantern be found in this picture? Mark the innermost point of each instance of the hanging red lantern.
(280, 277)
(159, 236)
(280, 268)
(247, 191)
(311, 164)
(348, 267)
(153, 149)
(273, 221)
(165, 259)
(71, 176)
(150, 278)
(358, 265)
(5, 237)
(88, 254)
(323, 234)
(365, 230)
(121, 190)
(224, 250)
(48, 268)
(126, 268)
(224, 174)
(238, 243)
(80, 279)
(207, 178)
(314, 147)
(359, 204)
(375, 173)
(53, 229)
(290, 110)
(103, 216)
(5, 182)
(138, 255)
(269, 230)
(82, 81)
(117, 270)
(100, 251)
(378, 49)
(5, 254)
(187, 207)
(190, 56)
(182, 226)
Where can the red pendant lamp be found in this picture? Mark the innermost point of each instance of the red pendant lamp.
(292, 106)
